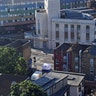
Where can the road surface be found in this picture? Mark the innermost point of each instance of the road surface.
(42, 56)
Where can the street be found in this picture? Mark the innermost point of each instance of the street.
(42, 56)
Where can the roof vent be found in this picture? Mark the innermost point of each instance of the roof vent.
(71, 78)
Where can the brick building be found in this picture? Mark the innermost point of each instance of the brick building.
(60, 60)
(23, 47)
(68, 57)
(89, 61)
(75, 57)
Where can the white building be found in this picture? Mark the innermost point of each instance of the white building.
(55, 27)
(59, 83)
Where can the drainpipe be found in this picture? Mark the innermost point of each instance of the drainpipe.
(80, 52)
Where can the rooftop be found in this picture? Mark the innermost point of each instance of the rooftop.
(6, 80)
(76, 47)
(75, 14)
(50, 79)
(18, 43)
(91, 50)
(4, 42)
(74, 79)
(53, 77)
(63, 46)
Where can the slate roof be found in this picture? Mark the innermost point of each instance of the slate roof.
(91, 50)
(76, 47)
(75, 14)
(63, 46)
(18, 43)
(4, 42)
(6, 80)
(89, 11)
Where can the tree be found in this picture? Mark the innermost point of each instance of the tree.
(11, 62)
(26, 88)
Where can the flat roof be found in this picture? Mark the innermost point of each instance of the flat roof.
(50, 79)
(74, 79)
(53, 77)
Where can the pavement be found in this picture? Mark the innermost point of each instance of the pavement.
(42, 56)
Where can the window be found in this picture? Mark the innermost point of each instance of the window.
(66, 31)
(76, 68)
(25, 8)
(26, 19)
(57, 68)
(91, 66)
(57, 61)
(87, 33)
(15, 20)
(91, 70)
(78, 32)
(57, 27)
(92, 62)
(38, 26)
(87, 36)
(64, 66)
(57, 35)
(76, 63)
(84, 64)
(65, 58)
(72, 32)
(76, 59)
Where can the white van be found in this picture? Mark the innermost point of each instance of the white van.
(36, 75)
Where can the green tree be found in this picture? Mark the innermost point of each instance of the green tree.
(26, 88)
(11, 62)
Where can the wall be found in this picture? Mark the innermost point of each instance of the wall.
(74, 91)
(27, 51)
(74, 22)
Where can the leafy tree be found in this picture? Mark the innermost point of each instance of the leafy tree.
(11, 62)
(26, 88)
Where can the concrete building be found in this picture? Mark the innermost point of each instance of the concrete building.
(17, 16)
(55, 26)
(67, 4)
(59, 83)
